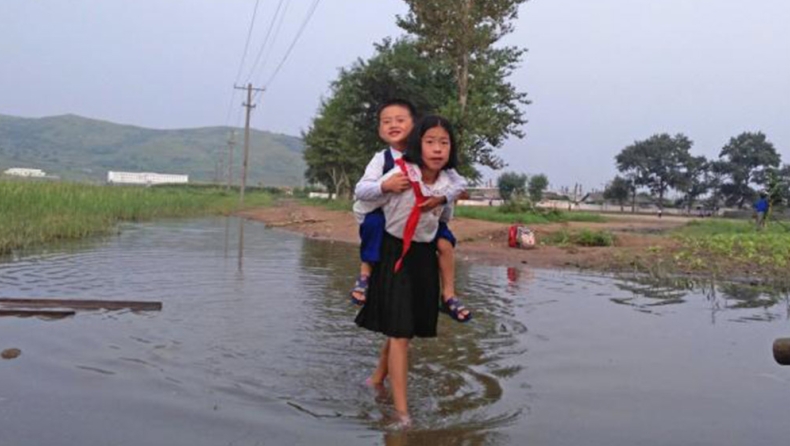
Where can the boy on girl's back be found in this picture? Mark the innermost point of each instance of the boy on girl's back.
(395, 122)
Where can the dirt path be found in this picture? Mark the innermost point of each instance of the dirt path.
(483, 241)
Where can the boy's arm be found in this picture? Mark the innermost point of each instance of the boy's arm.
(362, 207)
(369, 188)
(458, 184)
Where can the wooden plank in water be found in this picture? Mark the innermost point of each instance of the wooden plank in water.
(51, 314)
(80, 304)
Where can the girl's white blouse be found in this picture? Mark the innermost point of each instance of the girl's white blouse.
(397, 207)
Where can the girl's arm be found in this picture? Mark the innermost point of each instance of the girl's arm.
(447, 213)
(458, 184)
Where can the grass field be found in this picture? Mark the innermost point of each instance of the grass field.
(35, 213)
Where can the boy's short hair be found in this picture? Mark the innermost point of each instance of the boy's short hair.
(399, 102)
(413, 152)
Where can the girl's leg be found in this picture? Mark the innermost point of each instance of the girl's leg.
(382, 370)
(399, 371)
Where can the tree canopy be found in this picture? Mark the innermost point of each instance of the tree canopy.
(344, 134)
(745, 162)
(656, 163)
(485, 108)
(511, 185)
(536, 186)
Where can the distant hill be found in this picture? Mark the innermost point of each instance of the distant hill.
(78, 148)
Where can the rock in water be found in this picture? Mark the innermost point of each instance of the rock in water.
(11, 353)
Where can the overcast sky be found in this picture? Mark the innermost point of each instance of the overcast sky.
(601, 74)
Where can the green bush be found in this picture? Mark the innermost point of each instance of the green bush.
(585, 237)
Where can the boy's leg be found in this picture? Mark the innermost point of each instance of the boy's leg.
(371, 233)
(445, 245)
(365, 270)
(399, 374)
(446, 267)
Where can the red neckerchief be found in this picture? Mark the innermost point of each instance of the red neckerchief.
(414, 216)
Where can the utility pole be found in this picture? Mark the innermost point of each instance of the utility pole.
(249, 106)
(231, 143)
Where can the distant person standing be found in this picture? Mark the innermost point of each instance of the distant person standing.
(761, 209)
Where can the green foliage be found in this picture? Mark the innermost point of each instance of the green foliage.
(492, 213)
(516, 205)
(35, 213)
(511, 184)
(743, 162)
(584, 237)
(618, 190)
(695, 179)
(78, 148)
(657, 162)
(344, 135)
(729, 247)
(537, 184)
(718, 226)
(461, 35)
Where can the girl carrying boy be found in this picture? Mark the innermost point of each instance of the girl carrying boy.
(395, 122)
(401, 300)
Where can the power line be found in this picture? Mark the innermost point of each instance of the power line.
(247, 43)
(243, 59)
(268, 34)
(313, 7)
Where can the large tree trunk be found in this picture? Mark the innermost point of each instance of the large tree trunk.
(463, 72)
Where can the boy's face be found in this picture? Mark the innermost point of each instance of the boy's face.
(395, 124)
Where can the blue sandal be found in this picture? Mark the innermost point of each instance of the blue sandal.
(360, 286)
(454, 308)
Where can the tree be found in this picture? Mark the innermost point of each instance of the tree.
(656, 163)
(511, 185)
(343, 136)
(744, 162)
(694, 181)
(537, 184)
(618, 191)
(484, 107)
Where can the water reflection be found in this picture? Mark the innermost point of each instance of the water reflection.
(456, 380)
(272, 356)
(646, 293)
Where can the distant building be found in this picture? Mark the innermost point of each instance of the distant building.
(23, 172)
(147, 178)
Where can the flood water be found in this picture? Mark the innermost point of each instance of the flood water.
(268, 354)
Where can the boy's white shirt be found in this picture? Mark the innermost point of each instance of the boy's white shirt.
(369, 187)
(397, 207)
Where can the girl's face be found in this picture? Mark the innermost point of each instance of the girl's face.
(436, 148)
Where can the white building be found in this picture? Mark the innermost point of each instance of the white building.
(147, 178)
(23, 172)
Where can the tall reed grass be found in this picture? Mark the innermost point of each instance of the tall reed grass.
(35, 213)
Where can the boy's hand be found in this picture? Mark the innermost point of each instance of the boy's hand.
(431, 203)
(396, 183)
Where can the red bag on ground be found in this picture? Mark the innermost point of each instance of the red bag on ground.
(512, 236)
(520, 237)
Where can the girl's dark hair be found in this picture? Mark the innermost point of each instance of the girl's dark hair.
(399, 102)
(413, 152)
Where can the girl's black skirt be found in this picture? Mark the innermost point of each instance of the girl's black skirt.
(403, 304)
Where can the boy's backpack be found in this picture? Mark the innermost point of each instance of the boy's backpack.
(520, 237)
(389, 161)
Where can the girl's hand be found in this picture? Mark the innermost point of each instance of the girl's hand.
(432, 203)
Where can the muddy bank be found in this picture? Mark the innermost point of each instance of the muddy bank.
(486, 242)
